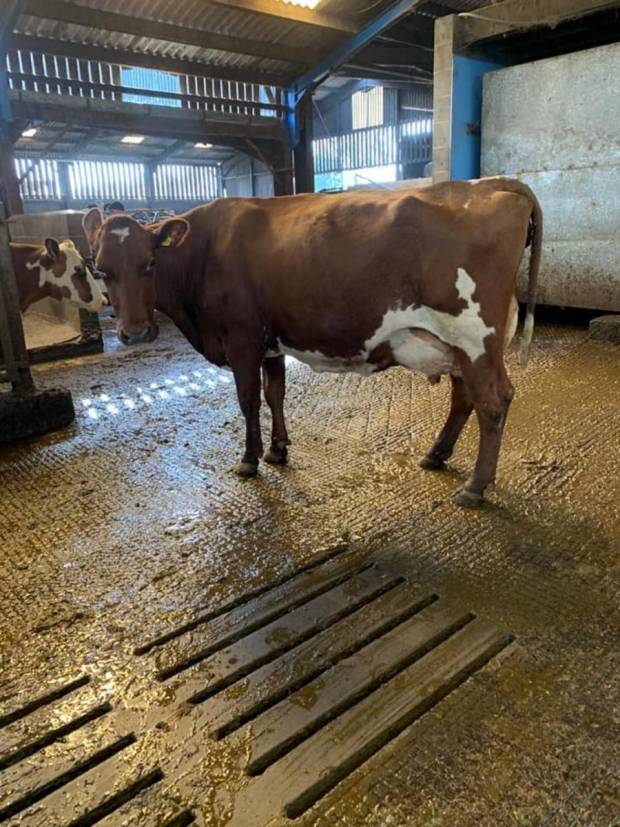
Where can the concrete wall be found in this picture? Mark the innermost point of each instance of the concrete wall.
(556, 125)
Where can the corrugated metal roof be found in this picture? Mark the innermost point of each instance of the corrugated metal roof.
(195, 15)
(214, 18)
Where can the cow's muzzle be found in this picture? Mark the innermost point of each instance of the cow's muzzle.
(134, 336)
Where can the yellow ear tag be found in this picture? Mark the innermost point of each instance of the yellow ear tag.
(167, 242)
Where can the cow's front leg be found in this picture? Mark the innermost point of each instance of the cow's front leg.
(246, 369)
(274, 389)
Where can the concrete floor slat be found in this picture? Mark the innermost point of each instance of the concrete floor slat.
(301, 778)
(214, 634)
(49, 721)
(230, 709)
(232, 663)
(293, 720)
(39, 775)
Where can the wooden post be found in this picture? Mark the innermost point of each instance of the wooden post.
(303, 155)
(9, 181)
(281, 166)
(11, 329)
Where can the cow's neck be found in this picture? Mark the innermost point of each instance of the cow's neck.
(175, 285)
(27, 275)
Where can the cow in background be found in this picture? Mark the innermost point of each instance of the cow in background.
(54, 270)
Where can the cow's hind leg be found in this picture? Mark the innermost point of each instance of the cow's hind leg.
(274, 388)
(245, 366)
(461, 407)
(492, 393)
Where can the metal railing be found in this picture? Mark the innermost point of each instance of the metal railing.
(374, 146)
(35, 72)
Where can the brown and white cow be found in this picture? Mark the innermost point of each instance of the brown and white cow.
(54, 270)
(358, 282)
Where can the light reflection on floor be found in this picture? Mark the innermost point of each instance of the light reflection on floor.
(184, 385)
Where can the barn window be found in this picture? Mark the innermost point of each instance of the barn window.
(154, 81)
(367, 107)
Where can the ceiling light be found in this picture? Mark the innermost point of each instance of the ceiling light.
(29, 133)
(132, 139)
(307, 4)
(200, 145)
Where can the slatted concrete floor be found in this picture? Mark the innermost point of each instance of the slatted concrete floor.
(330, 644)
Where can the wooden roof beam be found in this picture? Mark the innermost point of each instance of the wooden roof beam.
(143, 119)
(520, 15)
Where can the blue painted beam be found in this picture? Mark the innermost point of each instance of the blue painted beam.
(467, 74)
(343, 54)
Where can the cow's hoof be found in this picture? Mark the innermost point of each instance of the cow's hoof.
(246, 469)
(431, 463)
(275, 455)
(467, 499)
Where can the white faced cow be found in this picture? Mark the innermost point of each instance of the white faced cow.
(57, 271)
(359, 282)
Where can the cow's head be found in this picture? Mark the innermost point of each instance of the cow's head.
(63, 271)
(125, 252)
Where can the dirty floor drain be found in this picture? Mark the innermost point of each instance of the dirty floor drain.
(305, 680)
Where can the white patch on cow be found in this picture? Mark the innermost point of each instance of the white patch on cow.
(122, 233)
(330, 364)
(467, 330)
(73, 260)
(421, 338)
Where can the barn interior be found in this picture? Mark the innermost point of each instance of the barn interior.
(333, 642)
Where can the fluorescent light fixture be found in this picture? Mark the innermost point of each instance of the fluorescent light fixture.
(132, 139)
(200, 145)
(307, 4)
(29, 133)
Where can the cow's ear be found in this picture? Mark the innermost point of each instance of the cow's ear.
(91, 223)
(171, 233)
(53, 248)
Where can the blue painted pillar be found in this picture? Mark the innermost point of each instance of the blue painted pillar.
(466, 119)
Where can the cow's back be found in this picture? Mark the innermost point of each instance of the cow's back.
(311, 261)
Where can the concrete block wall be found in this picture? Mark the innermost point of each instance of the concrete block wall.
(555, 124)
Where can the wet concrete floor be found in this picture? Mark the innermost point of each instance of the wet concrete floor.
(131, 522)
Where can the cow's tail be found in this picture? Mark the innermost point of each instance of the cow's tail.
(534, 240)
(535, 232)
